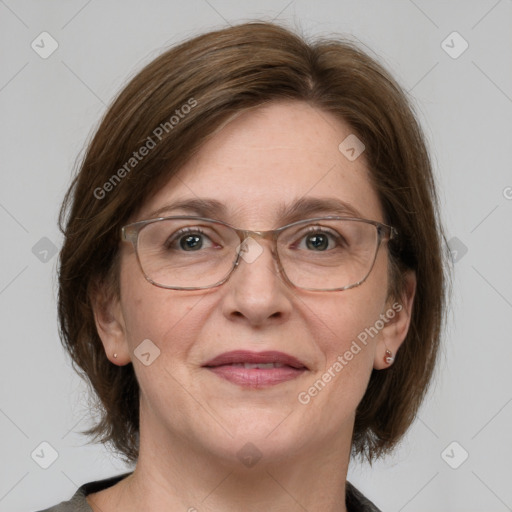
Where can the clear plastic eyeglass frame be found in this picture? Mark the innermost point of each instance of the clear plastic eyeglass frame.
(130, 233)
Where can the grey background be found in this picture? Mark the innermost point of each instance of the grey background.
(50, 107)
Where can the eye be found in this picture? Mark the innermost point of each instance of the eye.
(320, 239)
(188, 240)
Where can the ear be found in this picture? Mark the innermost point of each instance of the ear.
(110, 323)
(397, 319)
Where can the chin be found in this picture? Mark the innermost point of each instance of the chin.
(275, 432)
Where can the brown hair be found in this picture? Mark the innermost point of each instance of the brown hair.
(217, 75)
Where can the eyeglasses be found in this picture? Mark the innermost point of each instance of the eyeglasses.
(318, 254)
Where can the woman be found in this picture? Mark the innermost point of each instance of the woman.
(252, 275)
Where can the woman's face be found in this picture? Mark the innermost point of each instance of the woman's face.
(257, 165)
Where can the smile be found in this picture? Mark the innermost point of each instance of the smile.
(256, 369)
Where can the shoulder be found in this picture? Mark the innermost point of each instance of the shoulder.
(78, 503)
(357, 502)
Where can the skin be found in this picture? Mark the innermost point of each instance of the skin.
(193, 423)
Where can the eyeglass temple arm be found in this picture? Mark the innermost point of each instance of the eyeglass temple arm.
(129, 234)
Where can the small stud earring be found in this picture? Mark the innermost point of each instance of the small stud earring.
(115, 355)
(388, 358)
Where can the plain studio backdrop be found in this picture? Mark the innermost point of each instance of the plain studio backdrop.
(64, 61)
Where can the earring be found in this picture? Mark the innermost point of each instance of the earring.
(388, 358)
(115, 355)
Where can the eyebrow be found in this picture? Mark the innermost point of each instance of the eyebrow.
(286, 213)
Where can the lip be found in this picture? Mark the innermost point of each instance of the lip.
(246, 356)
(223, 366)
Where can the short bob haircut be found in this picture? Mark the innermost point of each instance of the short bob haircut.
(171, 108)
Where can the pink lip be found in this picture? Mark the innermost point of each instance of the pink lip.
(222, 366)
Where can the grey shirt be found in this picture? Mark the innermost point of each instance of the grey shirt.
(355, 501)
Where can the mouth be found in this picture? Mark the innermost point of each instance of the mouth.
(256, 369)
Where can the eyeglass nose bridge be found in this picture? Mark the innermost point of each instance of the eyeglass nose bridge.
(246, 234)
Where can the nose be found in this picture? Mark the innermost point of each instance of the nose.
(255, 292)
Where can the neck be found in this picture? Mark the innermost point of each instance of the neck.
(177, 475)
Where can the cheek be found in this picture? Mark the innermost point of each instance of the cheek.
(162, 317)
(169, 320)
(340, 319)
(154, 313)
(346, 356)
(343, 328)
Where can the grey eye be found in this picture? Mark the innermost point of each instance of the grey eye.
(191, 242)
(317, 242)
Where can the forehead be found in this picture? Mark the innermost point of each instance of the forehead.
(265, 160)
